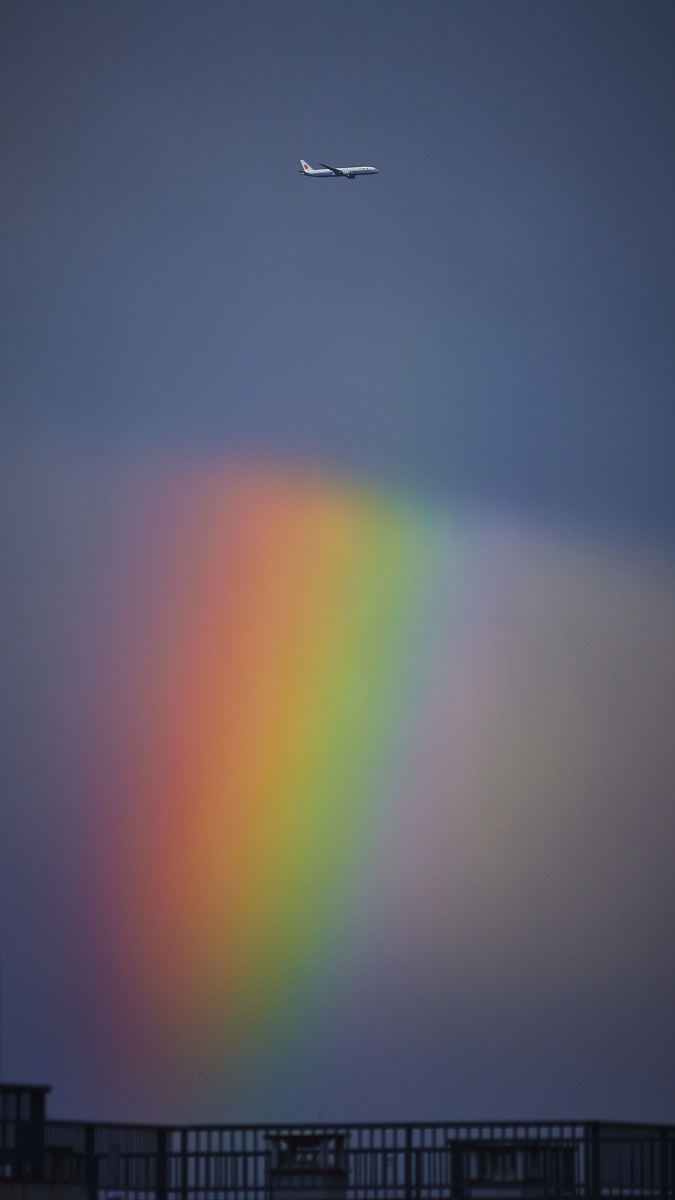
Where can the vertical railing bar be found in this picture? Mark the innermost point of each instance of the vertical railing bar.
(665, 1163)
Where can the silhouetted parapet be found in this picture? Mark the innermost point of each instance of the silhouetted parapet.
(308, 1165)
(453, 1160)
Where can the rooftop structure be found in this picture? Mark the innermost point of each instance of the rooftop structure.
(515, 1160)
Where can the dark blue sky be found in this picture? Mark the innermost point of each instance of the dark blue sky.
(487, 324)
(491, 316)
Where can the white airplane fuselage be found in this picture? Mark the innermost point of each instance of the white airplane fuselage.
(335, 172)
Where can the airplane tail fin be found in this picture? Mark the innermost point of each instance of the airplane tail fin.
(305, 167)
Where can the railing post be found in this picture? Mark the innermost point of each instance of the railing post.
(665, 1164)
(408, 1162)
(183, 1163)
(593, 1159)
(36, 1135)
(90, 1161)
(161, 1164)
(456, 1168)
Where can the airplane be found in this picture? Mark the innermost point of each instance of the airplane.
(333, 172)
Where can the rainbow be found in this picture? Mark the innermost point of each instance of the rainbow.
(326, 775)
(267, 655)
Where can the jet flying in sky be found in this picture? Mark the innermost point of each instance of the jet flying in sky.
(333, 172)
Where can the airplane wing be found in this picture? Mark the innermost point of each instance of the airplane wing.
(335, 170)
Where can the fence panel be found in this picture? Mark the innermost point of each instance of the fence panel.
(466, 1161)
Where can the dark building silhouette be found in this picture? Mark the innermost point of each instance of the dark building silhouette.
(513, 1160)
(29, 1168)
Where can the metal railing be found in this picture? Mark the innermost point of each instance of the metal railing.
(514, 1160)
(431, 1161)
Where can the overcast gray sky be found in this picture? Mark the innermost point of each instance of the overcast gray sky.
(486, 328)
